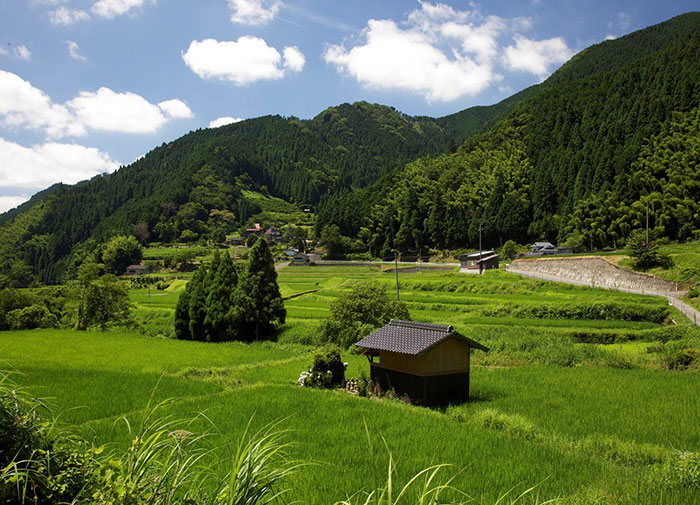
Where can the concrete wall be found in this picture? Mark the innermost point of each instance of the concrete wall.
(593, 271)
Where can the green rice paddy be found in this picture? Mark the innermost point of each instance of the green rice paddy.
(579, 429)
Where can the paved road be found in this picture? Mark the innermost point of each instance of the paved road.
(671, 296)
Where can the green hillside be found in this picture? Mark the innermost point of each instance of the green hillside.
(579, 154)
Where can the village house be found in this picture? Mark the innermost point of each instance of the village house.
(478, 262)
(428, 363)
(135, 270)
(300, 258)
(543, 248)
(255, 230)
(273, 235)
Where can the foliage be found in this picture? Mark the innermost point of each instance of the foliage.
(165, 463)
(37, 465)
(364, 308)
(646, 255)
(251, 240)
(30, 317)
(120, 252)
(218, 304)
(510, 250)
(258, 304)
(31, 308)
(103, 301)
(327, 370)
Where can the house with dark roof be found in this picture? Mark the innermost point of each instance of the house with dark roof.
(543, 248)
(135, 270)
(478, 262)
(429, 363)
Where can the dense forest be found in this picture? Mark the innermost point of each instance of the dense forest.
(575, 158)
(565, 164)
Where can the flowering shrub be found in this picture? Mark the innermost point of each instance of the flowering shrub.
(327, 370)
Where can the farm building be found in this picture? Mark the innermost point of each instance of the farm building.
(543, 248)
(273, 235)
(135, 270)
(235, 241)
(300, 259)
(478, 262)
(255, 230)
(429, 363)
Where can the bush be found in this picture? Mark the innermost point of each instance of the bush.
(676, 354)
(693, 292)
(327, 370)
(645, 256)
(33, 316)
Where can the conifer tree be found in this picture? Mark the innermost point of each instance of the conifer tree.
(182, 315)
(198, 304)
(219, 322)
(258, 303)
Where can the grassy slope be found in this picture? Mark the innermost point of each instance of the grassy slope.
(96, 377)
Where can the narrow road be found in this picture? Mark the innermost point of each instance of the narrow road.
(672, 296)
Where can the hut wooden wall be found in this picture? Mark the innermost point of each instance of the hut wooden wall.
(452, 356)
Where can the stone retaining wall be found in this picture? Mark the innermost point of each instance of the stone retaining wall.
(593, 271)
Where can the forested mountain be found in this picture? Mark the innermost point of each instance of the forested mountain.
(566, 163)
(195, 183)
(574, 156)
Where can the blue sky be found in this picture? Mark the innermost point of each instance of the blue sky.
(89, 85)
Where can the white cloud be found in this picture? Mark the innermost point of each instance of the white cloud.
(112, 8)
(293, 59)
(3, 51)
(175, 109)
(247, 60)
(610, 36)
(536, 56)
(221, 121)
(253, 12)
(74, 51)
(393, 58)
(10, 202)
(440, 52)
(41, 165)
(49, 2)
(107, 110)
(64, 16)
(21, 52)
(24, 106)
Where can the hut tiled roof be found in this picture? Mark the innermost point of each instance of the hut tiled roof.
(411, 337)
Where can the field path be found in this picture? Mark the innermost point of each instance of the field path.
(597, 272)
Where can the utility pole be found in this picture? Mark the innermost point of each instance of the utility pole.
(396, 270)
(481, 223)
(647, 235)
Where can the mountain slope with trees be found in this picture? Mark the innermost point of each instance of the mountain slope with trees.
(556, 161)
(565, 164)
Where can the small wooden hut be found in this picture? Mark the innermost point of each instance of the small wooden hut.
(429, 363)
